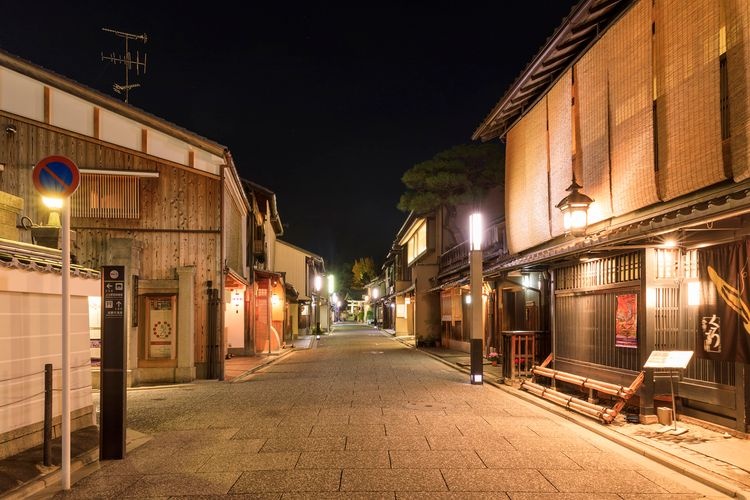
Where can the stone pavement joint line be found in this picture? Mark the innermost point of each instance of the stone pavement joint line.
(360, 414)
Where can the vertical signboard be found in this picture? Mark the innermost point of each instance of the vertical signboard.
(113, 366)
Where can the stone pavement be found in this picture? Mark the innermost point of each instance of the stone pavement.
(362, 416)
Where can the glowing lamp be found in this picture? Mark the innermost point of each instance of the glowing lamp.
(575, 210)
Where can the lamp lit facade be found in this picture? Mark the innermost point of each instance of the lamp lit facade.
(475, 277)
(575, 209)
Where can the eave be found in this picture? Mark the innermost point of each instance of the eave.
(588, 20)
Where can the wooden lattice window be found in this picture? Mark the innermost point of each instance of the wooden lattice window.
(107, 196)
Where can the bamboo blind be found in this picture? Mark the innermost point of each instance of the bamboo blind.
(592, 83)
(527, 197)
(514, 186)
(631, 115)
(106, 196)
(687, 92)
(560, 149)
(737, 15)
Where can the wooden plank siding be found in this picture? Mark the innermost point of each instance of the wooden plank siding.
(180, 211)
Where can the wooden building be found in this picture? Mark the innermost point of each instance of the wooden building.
(643, 104)
(266, 300)
(164, 202)
(299, 268)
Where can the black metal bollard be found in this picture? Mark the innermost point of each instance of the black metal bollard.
(48, 414)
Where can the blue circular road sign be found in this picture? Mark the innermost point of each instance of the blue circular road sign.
(56, 176)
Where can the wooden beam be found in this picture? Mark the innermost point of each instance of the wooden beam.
(97, 123)
(144, 140)
(47, 105)
(191, 158)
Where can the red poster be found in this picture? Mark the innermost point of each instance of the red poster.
(626, 321)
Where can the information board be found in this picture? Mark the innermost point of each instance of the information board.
(668, 359)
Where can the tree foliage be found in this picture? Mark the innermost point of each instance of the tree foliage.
(461, 174)
(343, 275)
(363, 271)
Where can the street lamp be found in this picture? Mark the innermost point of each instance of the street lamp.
(318, 284)
(476, 230)
(575, 208)
(375, 294)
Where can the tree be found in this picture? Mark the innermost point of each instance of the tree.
(343, 275)
(461, 174)
(363, 272)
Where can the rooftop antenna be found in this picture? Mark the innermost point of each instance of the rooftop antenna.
(127, 60)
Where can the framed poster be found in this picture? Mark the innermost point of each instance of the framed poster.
(626, 320)
(162, 326)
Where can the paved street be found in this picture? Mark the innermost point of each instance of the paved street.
(360, 415)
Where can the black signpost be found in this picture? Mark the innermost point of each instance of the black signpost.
(113, 369)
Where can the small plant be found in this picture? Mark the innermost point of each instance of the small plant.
(493, 357)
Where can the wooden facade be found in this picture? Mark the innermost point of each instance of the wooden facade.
(178, 227)
(643, 103)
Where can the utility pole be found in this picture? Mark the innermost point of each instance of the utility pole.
(127, 61)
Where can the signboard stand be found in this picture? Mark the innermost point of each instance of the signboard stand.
(672, 361)
(113, 403)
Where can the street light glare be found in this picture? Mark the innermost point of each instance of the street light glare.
(475, 231)
(52, 202)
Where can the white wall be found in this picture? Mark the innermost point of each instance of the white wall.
(31, 335)
(291, 260)
(24, 96)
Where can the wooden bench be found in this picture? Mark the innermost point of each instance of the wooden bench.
(606, 414)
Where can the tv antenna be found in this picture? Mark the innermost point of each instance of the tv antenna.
(127, 60)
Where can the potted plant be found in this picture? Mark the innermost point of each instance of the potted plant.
(493, 357)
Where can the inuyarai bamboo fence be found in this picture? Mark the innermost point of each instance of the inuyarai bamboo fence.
(603, 413)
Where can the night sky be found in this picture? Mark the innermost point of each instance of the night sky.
(326, 104)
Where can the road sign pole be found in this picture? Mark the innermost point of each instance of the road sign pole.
(66, 344)
(59, 177)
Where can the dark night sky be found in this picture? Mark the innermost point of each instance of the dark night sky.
(326, 104)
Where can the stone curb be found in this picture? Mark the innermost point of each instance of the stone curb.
(53, 478)
(244, 375)
(671, 461)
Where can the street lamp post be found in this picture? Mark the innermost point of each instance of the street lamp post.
(375, 295)
(318, 283)
(331, 300)
(475, 277)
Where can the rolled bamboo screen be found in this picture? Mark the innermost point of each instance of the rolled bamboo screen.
(687, 90)
(527, 198)
(591, 74)
(631, 115)
(737, 18)
(560, 149)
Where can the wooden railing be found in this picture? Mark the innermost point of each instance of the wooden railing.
(492, 246)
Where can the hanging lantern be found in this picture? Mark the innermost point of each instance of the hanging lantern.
(575, 209)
